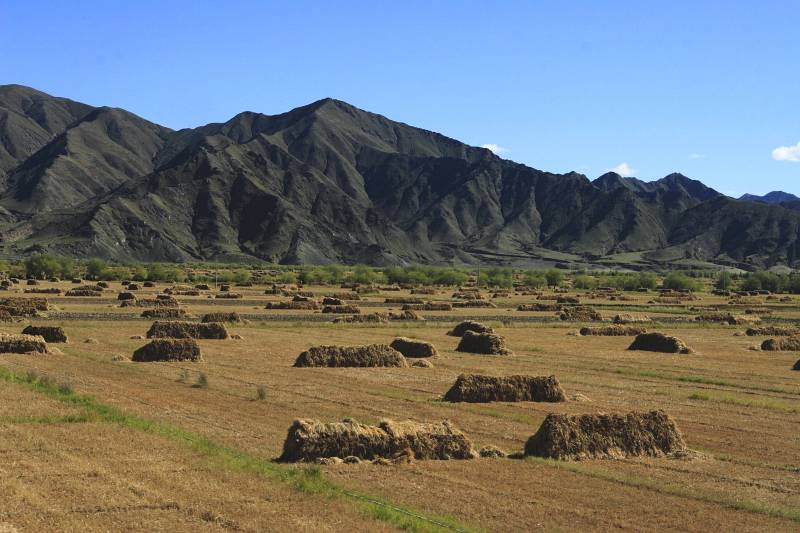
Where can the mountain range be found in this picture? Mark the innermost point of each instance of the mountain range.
(328, 182)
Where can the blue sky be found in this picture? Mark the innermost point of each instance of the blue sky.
(707, 88)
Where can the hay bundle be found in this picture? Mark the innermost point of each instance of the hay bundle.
(5, 316)
(17, 343)
(568, 300)
(423, 290)
(788, 344)
(346, 296)
(148, 284)
(309, 440)
(304, 305)
(658, 342)
(421, 363)
(477, 388)
(133, 287)
(169, 301)
(187, 330)
(652, 433)
(168, 350)
(428, 306)
(123, 296)
(301, 298)
(377, 318)
(32, 282)
(469, 325)
(406, 315)
(165, 312)
(371, 355)
(228, 295)
(190, 292)
(474, 303)
(332, 301)
(348, 309)
(727, 318)
(580, 313)
(772, 331)
(232, 317)
(617, 330)
(399, 300)
(483, 343)
(202, 287)
(627, 318)
(24, 306)
(51, 290)
(539, 307)
(414, 348)
(48, 333)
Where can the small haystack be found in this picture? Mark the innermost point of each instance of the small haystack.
(474, 304)
(421, 363)
(20, 343)
(84, 292)
(428, 306)
(371, 355)
(164, 313)
(787, 344)
(328, 300)
(414, 348)
(627, 318)
(232, 317)
(301, 305)
(600, 436)
(483, 343)
(228, 295)
(580, 313)
(772, 331)
(617, 330)
(126, 296)
(539, 307)
(469, 325)
(377, 318)
(658, 342)
(168, 350)
(348, 309)
(310, 440)
(491, 452)
(402, 300)
(187, 330)
(406, 315)
(477, 388)
(48, 333)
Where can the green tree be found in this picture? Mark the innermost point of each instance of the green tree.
(724, 281)
(42, 266)
(554, 277)
(95, 268)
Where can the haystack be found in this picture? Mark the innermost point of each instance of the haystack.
(617, 330)
(232, 317)
(787, 344)
(126, 296)
(652, 433)
(469, 325)
(421, 363)
(84, 292)
(48, 333)
(187, 330)
(580, 313)
(348, 309)
(168, 350)
(428, 306)
(164, 312)
(483, 343)
(371, 355)
(50, 290)
(405, 315)
(474, 303)
(309, 440)
(304, 305)
(413, 347)
(400, 300)
(332, 301)
(24, 306)
(20, 343)
(658, 342)
(377, 318)
(772, 331)
(477, 388)
(228, 295)
(539, 307)
(627, 318)
(5, 316)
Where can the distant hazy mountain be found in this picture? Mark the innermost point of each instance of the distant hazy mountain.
(329, 182)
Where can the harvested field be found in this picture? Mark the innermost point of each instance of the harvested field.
(658, 342)
(309, 440)
(168, 350)
(483, 343)
(469, 325)
(48, 333)
(372, 355)
(616, 330)
(187, 330)
(414, 348)
(477, 388)
(652, 433)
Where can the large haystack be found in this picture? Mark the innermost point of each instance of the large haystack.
(617, 330)
(652, 433)
(483, 343)
(348, 309)
(164, 313)
(477, 388)
(787, 344)
(371, 355)
(48, 333)
(19, 343)
(658, 342)
(187, 330)
(24, 306)
(413, 347)
(309, 440)
(168, 350)
(772, 331)
(580, 313)
(469, 325)
(232, 317)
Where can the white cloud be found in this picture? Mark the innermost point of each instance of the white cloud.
(624, 170)
(495, 148)
(787, 153)
(697, 156)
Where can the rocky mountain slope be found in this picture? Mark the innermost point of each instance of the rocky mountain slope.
(328, 182)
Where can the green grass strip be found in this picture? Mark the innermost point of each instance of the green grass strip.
(703, 380)
(733, 400)
(307, 479)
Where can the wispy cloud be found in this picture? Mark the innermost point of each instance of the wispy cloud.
(495, 148)
(697, 156)
(624, 170)
(787, 153)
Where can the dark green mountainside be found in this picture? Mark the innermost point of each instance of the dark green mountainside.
(328, 182)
